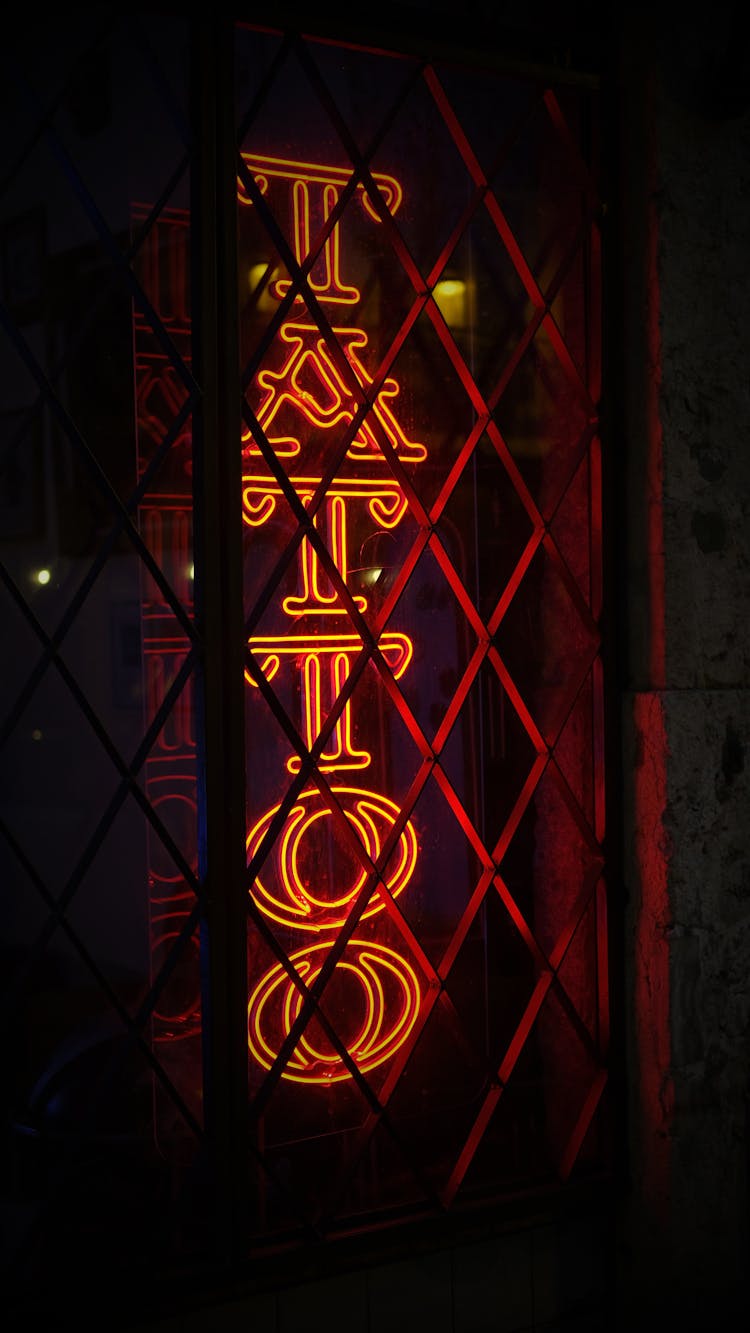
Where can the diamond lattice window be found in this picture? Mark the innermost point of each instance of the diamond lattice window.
(419, 309)
(413, 488)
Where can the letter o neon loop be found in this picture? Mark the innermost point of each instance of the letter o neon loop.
(387, 1008)
(288, 889)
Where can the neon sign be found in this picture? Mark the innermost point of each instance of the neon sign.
(305, 397)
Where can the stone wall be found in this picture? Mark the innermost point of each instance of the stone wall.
(686, 1243)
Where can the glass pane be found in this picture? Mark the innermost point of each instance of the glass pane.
(98, 805)
(419, 340)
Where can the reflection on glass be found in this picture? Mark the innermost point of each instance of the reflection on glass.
(165, 519)
(97, 799)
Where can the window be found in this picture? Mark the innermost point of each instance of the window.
(417, 963)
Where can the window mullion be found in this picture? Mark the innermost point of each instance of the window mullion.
(220, 617)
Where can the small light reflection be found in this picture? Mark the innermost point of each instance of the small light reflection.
(36, 734)
(263, 276)
(191, 572)
(450, 298)
(43, 576)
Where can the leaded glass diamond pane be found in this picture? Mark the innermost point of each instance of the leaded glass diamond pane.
(419, 335)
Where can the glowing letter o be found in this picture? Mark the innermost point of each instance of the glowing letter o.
(379, 998)
(296, 890)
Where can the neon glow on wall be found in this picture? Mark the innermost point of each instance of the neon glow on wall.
(377, 988)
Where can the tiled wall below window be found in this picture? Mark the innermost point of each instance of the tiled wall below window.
(544, 1279)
